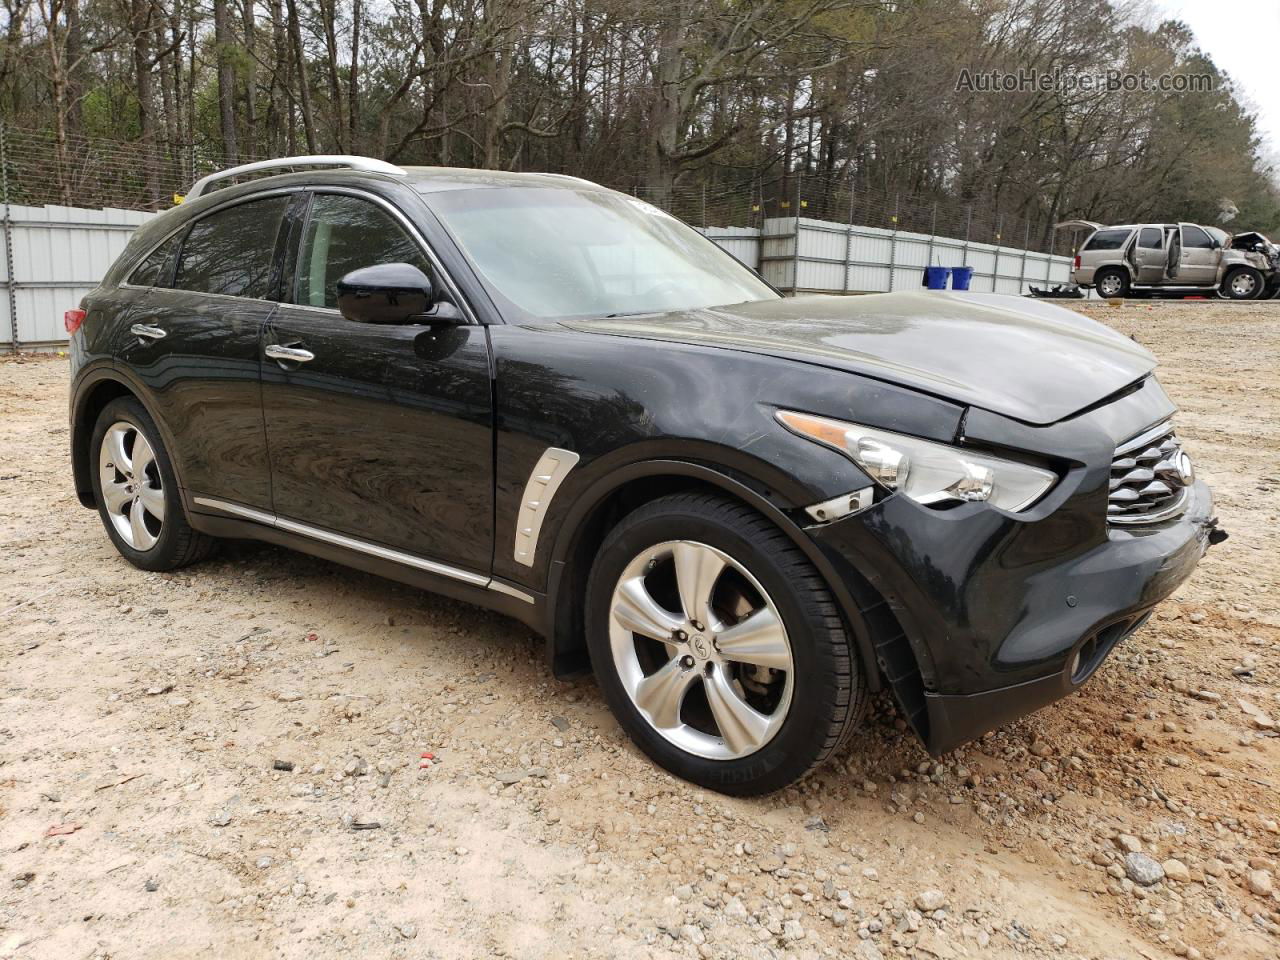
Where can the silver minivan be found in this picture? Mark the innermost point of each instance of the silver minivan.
(1138, 259)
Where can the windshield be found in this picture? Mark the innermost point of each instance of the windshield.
(554, 252)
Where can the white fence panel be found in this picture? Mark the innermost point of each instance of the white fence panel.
(59, 254)
(841, 258)
(742, 242)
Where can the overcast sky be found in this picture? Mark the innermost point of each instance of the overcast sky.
(1243, 38)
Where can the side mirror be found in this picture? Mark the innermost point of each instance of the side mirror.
(389, 293)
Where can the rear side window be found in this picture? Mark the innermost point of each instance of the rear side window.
(232, 252)
(1195, 237)
(345, 233)
(1151, 238)
(1107, 240)
(156, 269)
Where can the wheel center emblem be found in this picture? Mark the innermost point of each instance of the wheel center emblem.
(700, 646)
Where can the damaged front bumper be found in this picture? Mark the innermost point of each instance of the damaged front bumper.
(1003, 616)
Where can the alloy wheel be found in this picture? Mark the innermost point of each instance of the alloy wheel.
(132, 488)
(701, 650)
(1110, 285)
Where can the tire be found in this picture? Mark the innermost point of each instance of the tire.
(1111, 282)
(1241, 283)
(808, 709)
(150, 497)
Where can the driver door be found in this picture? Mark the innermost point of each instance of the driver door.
(381, 433)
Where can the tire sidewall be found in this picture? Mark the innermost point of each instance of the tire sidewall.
(161, 556)
(1232, 274)
(1108, 271)
(793, 749)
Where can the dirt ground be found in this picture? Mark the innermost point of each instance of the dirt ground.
(141, 715)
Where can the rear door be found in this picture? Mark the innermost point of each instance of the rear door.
(1149, 255)
(1198, 265)
(195, 345)
(381, 433)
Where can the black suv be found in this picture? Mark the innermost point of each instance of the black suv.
(744, 512)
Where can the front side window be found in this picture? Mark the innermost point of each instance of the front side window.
(345, 233)
(1194, 237)
(232, 252)
(1151, 238)
(154, 271)
(1107, 240)
(556, 252)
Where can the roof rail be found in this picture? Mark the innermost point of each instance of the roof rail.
(323, 160)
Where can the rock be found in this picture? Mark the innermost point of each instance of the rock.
(1176, 870)
(735, 910)
(221, 818)
(792, 930)
(508, 777)
(866, 950)
(684, 893)
(560, 723)
(928, 901)
(152, 885)
(288, 696)
(1260, 883)
(769, 864)
(407, 930)
(1128, 843)
(1142, 870)
(1041, 749)
(1208, 696)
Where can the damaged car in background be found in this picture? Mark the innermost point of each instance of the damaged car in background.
(1133, 260)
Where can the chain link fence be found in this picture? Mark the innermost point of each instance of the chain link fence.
(96, 172)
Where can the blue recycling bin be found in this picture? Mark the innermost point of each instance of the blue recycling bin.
(960, 277)
(935, 278)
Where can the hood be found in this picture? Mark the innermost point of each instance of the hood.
(1021, 358)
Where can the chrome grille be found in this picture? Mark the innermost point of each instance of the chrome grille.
(1149, 478)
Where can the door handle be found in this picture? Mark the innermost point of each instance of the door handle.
(145, 331)
(293, 354)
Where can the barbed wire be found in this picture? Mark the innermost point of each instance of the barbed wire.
(99, 172)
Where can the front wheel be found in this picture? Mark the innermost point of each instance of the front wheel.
(718, 646)
(137, 491)
(1241, 283)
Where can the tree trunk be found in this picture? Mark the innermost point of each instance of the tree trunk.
(664, 110)
(304, 83)
(251, 78)
(223, 40)
(353, 81)
(140, 27)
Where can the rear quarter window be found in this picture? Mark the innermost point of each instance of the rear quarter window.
(157, 267)
(1107, 240)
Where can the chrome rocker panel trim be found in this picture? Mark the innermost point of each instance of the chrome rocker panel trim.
(362, 546)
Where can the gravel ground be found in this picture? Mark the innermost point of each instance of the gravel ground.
(141, 715)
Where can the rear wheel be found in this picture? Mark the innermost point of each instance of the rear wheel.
(1241, 283)
(718, 646)
(137, 492)
(1111, 282)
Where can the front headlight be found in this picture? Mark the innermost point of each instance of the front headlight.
(927, 472)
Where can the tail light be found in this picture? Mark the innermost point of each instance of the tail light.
(72, 319)
(1077, 261)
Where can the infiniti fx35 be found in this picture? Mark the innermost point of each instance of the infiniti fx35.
(744, 512)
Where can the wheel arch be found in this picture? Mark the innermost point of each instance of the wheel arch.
(91, 397)
(601, 505)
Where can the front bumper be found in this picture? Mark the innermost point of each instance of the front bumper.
(1003, 616)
